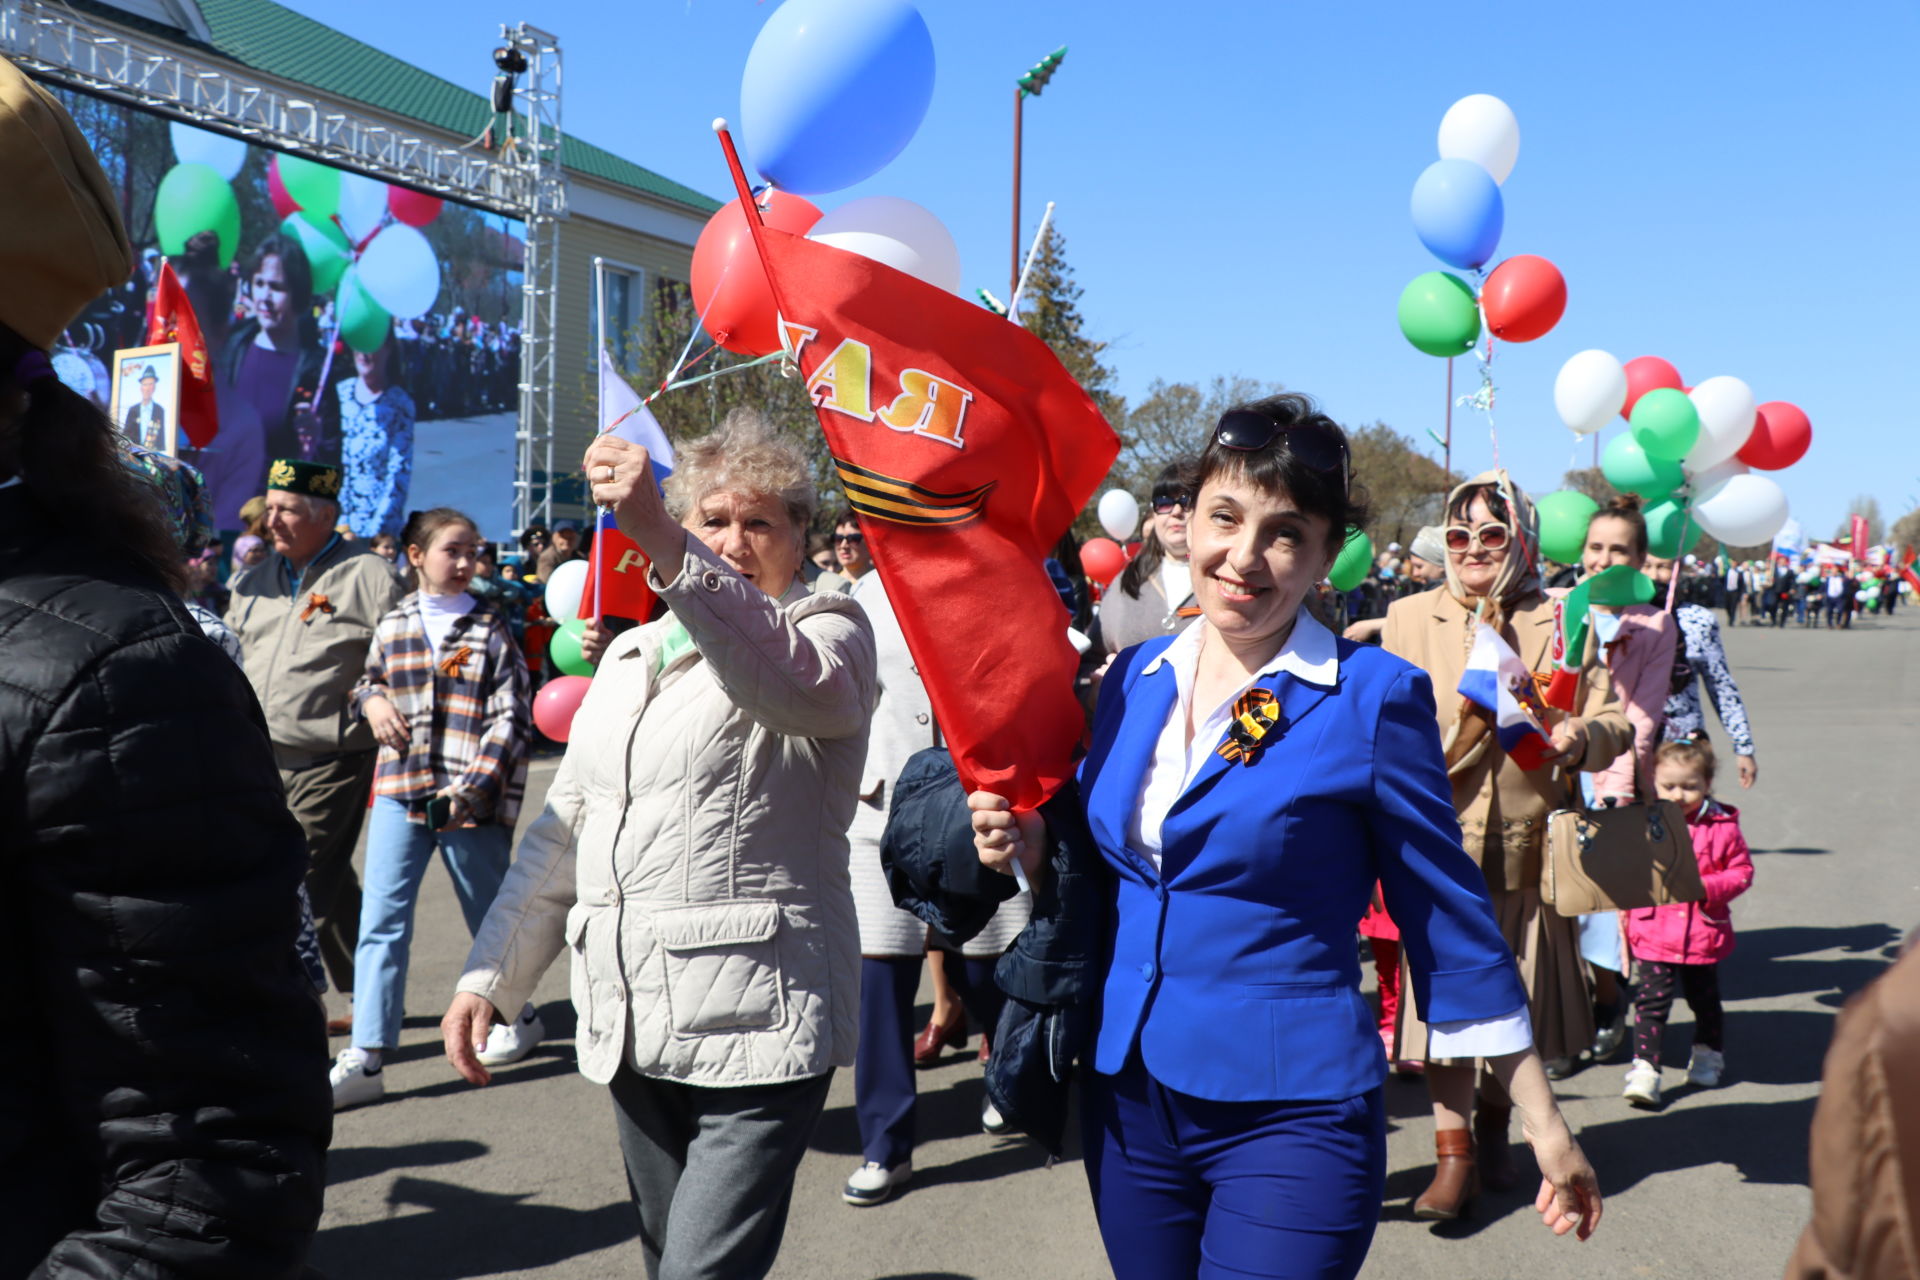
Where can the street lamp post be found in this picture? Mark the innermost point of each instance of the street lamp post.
(1030, 83)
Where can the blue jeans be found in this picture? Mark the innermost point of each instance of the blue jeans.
(1184, 1187)
(398, 852)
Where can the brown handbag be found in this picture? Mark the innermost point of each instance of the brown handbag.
(1616, 859)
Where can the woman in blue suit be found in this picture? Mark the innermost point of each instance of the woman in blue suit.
(1249, 780)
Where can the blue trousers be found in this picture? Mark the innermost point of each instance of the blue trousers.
(398, 852)
(883, 1082)
(1186, 1188)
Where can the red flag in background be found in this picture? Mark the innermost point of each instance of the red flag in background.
(967, 451)
(173, 321)
(1858, 528)
(624, 593)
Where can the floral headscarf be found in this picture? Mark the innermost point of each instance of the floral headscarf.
(1519, 575)
(183, 492)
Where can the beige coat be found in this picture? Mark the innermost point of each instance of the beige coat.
(1503, 809)
(692, 858)
(304, 658)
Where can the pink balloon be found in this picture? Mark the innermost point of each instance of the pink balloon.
(556, 703)
(415, 208)
(1644, 373)
(284, 205)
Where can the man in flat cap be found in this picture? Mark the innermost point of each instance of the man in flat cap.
(146, 422)
(168, 1112)
(305, 617)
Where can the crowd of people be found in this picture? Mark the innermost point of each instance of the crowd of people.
(755, 841)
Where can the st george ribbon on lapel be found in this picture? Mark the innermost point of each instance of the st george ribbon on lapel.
(1255, 713)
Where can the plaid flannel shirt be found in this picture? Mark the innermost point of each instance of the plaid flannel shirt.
(467, 715)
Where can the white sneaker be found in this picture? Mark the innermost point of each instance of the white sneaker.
(993, 1124)
(353, 1084)
(509, 1042)
(873, 1182)
(1706, 1067)
(1643, 1084)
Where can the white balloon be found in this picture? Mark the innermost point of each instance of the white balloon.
(1590, 389)
(896, 232)
(1119, 514)
(1481, 128)
(1727, 412)
(564, 589)
(1718, 474)
(217, 151)
(1742, 511)
(363, 205)
(401, 271)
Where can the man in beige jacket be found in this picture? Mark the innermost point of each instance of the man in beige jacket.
(305, 617)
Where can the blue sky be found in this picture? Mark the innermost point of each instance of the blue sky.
(1732, 186)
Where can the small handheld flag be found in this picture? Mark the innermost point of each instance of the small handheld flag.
(1497, 680)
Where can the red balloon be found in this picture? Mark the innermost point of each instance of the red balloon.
(1524, 298)
(1781, 437)
(730, 287)
(284, 205)
(1644, 373)
(415, 208)
(1101, 559)
(554, 706)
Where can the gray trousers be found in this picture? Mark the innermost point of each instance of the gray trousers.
(711, 1170)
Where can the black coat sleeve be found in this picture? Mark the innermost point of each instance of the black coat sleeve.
(184, 1055)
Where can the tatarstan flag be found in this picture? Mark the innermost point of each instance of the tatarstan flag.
(174, 321)
(967, 450)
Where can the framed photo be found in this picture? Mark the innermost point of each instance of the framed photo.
(146, 396)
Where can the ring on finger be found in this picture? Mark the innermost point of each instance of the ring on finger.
(607, 475)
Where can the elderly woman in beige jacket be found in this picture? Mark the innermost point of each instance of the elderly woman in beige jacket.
(692, 858)
(1493, 575)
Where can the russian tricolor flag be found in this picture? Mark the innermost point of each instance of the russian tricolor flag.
(617, 570)
(1497, 680)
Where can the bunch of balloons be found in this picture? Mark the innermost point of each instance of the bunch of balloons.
(833, 91)
(361, 236)
(563, 601)
(1689, 452)
(1458, 214)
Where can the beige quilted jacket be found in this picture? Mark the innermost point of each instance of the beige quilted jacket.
(692, 858)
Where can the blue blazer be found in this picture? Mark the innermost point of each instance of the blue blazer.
(1234, 968)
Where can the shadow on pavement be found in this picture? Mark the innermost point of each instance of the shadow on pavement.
(1776, 962)
(1765, 1141)
(346, 1164)
(464, 1233)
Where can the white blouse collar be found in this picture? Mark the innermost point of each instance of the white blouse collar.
(1309, 654)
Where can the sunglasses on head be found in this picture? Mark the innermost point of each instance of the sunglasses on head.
(1165, 502)
(1320, 448)
(849, 537)
(1492, 537)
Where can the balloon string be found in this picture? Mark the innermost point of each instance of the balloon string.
(712, 374)
(680, 365)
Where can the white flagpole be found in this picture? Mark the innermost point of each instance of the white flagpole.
(1013, 304)
(600, 413)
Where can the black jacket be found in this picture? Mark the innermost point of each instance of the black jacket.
(1051, 972)
(165, 1110)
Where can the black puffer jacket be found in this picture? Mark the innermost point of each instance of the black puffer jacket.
(164, 1108)
(1050, 972)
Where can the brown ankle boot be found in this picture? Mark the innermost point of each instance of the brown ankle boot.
(1455, 1180)
(1490, 1126)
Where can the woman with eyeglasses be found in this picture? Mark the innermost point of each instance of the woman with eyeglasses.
(1249, 781)
(1493, 576)
(1154, 596)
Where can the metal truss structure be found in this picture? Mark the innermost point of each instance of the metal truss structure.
(522, 178)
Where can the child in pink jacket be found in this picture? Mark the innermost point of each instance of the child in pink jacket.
(1681, 946)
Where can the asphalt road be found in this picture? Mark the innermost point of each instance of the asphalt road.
(524, 1179)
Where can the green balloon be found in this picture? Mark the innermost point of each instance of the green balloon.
(328, 251)
(195, 198)
(314, 187)
(1628, 468)
(1665, 423)
(1667, 527)
(363, 323)
(1563, 524)
(565, 650)
(1438, 314)
(1354, 563)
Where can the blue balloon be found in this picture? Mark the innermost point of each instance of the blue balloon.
(834, 90)
(1457, 212)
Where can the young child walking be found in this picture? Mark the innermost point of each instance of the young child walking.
(1679, 947)
(445, 692)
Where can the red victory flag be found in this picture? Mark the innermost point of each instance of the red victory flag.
(173, 321)
(967, 450)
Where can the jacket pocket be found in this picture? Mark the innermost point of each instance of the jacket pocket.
(722, 966)
(576, 936)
